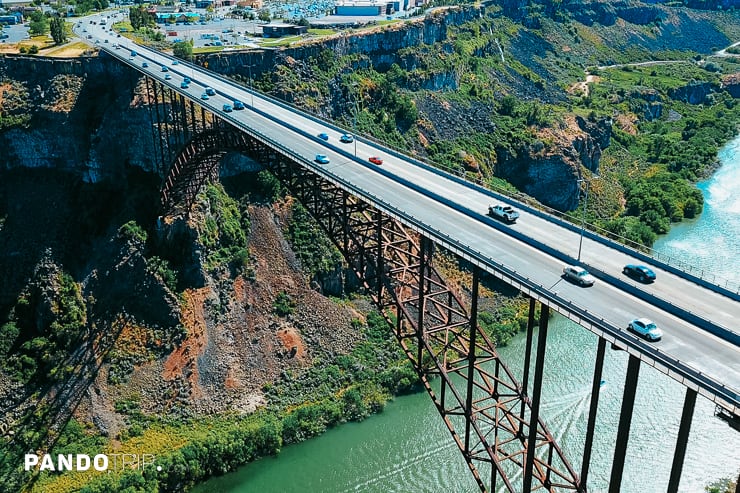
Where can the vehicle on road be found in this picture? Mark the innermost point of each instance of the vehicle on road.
(639, 272)
(324, 136)
(578, 275)
(376, 160)
(175, 62)
(346, 139)
(184, 85)
(238, 105)
(167, 77)
(503, 212)
(133, 53)
(227, 108)
(321, 159)
(645, 328)
(210, 91)
(145, 65)
(165, 69)
(186, 80)
(204, 96)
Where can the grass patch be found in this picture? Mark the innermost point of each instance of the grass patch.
(208, 49)
(321, 32)
(281, 42)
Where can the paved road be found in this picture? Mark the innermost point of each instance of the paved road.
(710, 355)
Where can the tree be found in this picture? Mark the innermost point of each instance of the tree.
(38, 24)
(508, 105)
(183, 49)
(58, 32)
(264, 15)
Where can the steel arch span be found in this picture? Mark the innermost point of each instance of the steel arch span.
(492, 419)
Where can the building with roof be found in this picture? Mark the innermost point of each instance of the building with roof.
(279, 29)
(14, 4)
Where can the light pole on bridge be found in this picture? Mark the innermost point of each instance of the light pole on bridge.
(583, 213)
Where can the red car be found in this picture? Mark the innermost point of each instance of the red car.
(376, 160)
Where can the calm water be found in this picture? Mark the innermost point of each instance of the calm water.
(408, 449)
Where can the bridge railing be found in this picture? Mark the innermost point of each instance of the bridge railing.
(716, 329)
(685, 373)
(672, 264)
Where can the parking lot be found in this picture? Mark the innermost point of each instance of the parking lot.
(15, 33)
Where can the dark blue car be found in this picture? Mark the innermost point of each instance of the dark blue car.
(639, 272)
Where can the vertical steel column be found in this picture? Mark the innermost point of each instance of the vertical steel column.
(527, 357)
(595, 391)
(471, 359)
(625, 420)
(380, 265)
(151, 118)
(164, 168)
(536, 389)
(423, 246)
(167, 125)
(683, 437)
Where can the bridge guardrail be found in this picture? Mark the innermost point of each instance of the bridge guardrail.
(728, 397)
(682, 269)
(716, 329)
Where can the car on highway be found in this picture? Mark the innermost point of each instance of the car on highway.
(204, 96)
(578, 275)
(210, 91)
(145, 65)
(186, 80)
(184, 85)
(227, 108)
(238, 105)
(639, 272)
(167, 77)
(346, 139)
(89, 36)
(133, 53)
(323, 136)
(321, 159)
(376, 160)
(165, 69)
(175, 62)
(645, 328)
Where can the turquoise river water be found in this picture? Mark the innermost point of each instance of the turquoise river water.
(408, 449)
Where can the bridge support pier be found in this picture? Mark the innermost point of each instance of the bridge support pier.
(625, 420)
(539, 367)
(590, 428)
(683, 437)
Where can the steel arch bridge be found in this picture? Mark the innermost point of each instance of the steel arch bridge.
(493, 421)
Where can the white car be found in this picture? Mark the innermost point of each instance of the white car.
(578, 275)
(646, 328)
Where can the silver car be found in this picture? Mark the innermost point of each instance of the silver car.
(646, 328)
(578, 275)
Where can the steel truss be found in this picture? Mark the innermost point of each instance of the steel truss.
(490, 415)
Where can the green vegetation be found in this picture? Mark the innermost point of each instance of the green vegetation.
(283, 304)
(133, 232)
(311, 246)
(44, 330)
(223, 232)
(183, 49)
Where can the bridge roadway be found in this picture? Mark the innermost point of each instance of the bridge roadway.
(456, 212)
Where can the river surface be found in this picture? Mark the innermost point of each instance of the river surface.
(408, 449)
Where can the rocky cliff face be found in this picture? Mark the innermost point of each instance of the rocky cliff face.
(85, 115)
(381, 46)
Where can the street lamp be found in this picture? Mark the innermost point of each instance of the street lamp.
(583, 213)
(354, 117)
